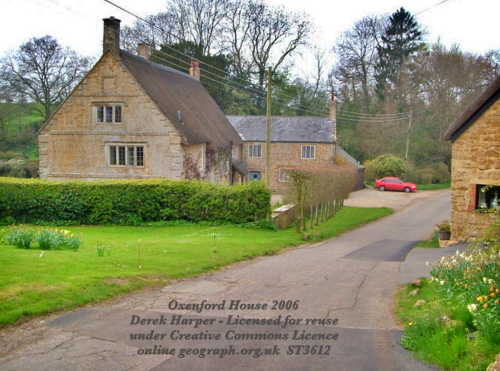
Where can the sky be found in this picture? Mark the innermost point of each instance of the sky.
(78, 23)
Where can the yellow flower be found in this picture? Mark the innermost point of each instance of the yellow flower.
(485, 305)
(480, 298)
(493, 294)
(410, 323)
(497, 301)
(485, 298)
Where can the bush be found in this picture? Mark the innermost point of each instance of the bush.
(435, 173)
(130, 202)
(19, 168)
(385, 165)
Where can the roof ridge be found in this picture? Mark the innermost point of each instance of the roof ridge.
(157, 65)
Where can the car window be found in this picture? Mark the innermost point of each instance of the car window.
(388, 180)
(397, 181)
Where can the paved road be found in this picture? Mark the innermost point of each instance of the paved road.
(349, 280)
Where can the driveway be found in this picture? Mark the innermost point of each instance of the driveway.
(333, 310)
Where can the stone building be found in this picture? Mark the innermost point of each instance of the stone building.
(131, 118)
(475, 166)
(296, 142)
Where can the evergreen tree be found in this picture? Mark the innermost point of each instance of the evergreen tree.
(401, 39)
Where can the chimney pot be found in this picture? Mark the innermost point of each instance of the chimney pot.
(111, 38)
(195, 70)
(143, 51)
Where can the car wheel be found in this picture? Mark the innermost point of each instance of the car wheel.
(407, 189)
(382, 188)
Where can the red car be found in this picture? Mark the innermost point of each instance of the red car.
(394, 184)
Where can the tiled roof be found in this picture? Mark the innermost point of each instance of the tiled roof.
(284, 129)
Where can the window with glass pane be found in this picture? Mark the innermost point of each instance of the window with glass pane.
(254, 150)
(121, 155)
(487, 196)
(308, 151)
(118, 114)
(140, 155)
(109, 114)
(130, 156)
(112, 155)
(100, 114)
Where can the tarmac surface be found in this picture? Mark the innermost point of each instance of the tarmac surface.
(332, 301)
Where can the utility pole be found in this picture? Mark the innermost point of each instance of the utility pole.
(408, 144)
(268, 138)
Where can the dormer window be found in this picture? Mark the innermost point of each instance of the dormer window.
(108, 114)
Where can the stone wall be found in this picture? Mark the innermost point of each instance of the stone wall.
(475, 160)
(288, 155)
(74, 146)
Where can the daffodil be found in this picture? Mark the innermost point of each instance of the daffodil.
(472, 307)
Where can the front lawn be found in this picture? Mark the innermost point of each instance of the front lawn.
(115, 260)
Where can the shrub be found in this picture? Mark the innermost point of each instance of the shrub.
(386, 165)
(435, 173)
(130, 202)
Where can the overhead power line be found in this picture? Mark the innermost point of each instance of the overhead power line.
(248, 86)
(432, 6)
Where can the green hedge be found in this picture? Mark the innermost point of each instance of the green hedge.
(129, 202)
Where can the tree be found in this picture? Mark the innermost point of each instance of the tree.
(159, 29)
(215, 67)
(275, 34)
(357, 57)
(199, 21)
(43, 72)
(402, 37)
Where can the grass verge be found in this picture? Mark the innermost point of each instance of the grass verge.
(432, 242)
(116, 260)
(442, 331)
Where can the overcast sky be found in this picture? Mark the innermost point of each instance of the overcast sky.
(78, 23)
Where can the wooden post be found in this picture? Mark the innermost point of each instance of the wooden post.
(407, 145)
(268, 138)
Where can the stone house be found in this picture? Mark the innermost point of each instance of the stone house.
(475, 166)
(131, 118)
(296, 142)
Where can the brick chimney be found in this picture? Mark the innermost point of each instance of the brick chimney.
(333, 116)
(111, 39)
(195, 70)
(143, 50)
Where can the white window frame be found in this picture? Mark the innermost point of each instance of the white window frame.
(283, 176)
(309, 151)
(116, 159)
(115, 108)
(203, 157)
(252, 148)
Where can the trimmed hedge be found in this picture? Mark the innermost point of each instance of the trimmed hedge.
(129, 202)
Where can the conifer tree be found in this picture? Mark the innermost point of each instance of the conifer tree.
(401, 39)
